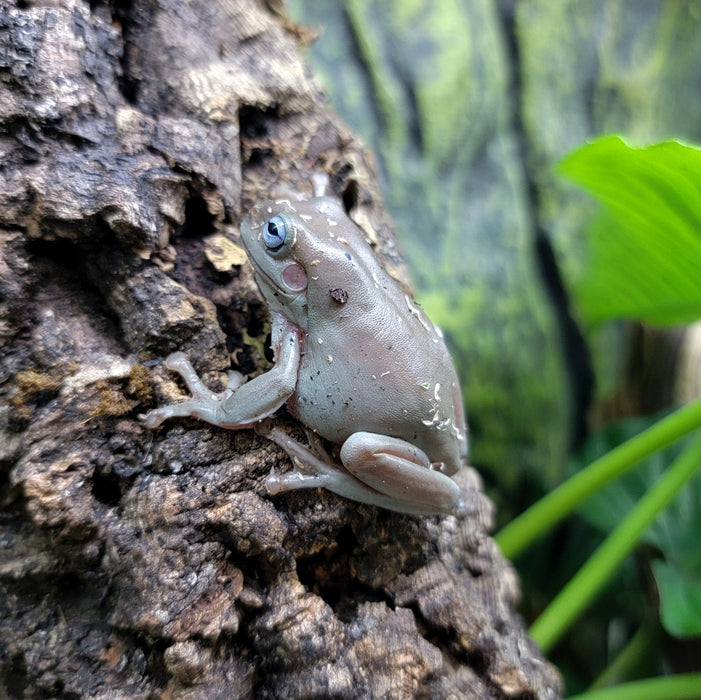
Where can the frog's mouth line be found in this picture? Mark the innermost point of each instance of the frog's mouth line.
(270, 282)
(257, 269)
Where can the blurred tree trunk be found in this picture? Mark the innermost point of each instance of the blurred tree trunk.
(136, 564)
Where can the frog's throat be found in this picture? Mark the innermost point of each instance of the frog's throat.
(291, 305)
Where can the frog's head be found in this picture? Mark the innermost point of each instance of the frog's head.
(297, 248)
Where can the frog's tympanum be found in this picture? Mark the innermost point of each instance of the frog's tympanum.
(357, 362)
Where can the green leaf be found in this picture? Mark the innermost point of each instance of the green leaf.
(645, 249)
(680, 599)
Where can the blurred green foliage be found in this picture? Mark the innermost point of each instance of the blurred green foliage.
(644, 263)
(673, 538)
(644, 251)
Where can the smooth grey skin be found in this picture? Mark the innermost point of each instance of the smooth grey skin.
(357, 362)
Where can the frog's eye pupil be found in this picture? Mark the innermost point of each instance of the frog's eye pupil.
(274, 233)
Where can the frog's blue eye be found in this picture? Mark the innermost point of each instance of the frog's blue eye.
(274, 233)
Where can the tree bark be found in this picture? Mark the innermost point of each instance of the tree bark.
(142, 564)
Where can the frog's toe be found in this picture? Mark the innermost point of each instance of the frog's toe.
(176, 360)
(153, 418)
(293, 480)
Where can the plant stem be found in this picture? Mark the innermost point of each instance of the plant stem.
(683, 686)
(540, 517)
(596, 572)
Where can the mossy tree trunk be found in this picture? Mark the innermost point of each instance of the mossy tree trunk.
(140, 564)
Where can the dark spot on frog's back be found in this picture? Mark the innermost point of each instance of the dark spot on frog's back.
(340, 296)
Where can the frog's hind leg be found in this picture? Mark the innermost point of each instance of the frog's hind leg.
(314, 469)
(400, 471)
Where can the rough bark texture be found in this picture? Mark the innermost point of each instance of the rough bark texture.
(139, 564)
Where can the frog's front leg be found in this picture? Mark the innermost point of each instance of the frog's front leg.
(376, 469)
(241, 405)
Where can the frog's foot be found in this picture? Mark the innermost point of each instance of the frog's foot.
(242, 404)
(203, 403)
(178, 362)
(309, 468)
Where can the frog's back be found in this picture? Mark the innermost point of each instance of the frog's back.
(376, 363)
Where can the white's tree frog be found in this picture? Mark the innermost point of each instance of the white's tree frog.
(357, 362)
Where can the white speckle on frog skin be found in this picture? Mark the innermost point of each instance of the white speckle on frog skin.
(331, 222)
(436, 389)
(384, 374)
(343, 240)
(436, 421)
(286, 201)
(306, 217)
(315, 262)
(416, 311)
(319, 340)
(330, 358)
(270, 210)
(331, 235)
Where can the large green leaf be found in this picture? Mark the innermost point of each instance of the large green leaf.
(645, 249)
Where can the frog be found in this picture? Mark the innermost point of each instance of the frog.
(356, 361)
